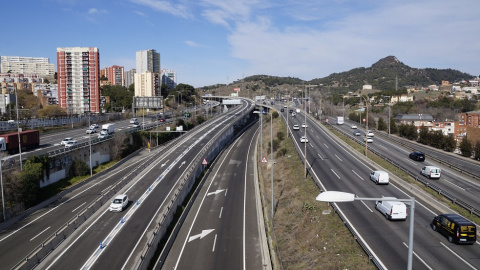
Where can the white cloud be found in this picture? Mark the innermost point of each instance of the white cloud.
(140, 13)
(194, 44)
(178, 10)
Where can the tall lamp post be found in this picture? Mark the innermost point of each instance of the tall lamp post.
(337, 196)
(90, 144)
(366, 126)
(3, 195)
(18, 131)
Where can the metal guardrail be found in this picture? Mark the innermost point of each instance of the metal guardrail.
(437, 189)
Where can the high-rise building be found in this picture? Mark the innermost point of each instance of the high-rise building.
(114, 75)
(78, 78)
(130, 77)
(147, 60)
(27, 65)
(148, 82)
(169, 78)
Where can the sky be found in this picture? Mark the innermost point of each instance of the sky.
(220, 41)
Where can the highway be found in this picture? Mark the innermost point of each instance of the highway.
(151, 177)
(340, 169)
(222, 229)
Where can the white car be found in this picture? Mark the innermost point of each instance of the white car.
(71, 144)
(353, 126)
(356, 133)
(296, 127)
(119, 203)
(368, 139)
(94, 126)
(304, 125)
(370, 133)
(133, 121)
(303, 139)
(91, 130)
(66, 140)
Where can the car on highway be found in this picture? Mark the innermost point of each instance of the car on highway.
(456, 228)
(368, 139)
(431, 172)
(353, 126)
(284, 106)
(119, 203)
(293, 114)
(296, 127)
(356, 133)
(282, 110)
(137, 125)
(303, 139)
(133, 120)
(71, 144)
(370, 133)
(94, 126)
(290, 111)
(391, 209)
(304, 125)
(417, 156)
(379, 177)
(91, 130)
(161, 120)
(66, 140)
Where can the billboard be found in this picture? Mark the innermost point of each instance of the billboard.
(148, 102)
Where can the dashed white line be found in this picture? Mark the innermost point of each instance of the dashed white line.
(221, 210)
(325, 145)
(358, 175)
(335, 173)
(226, 190)
(39, 233)
(78, 207)
(214, 241)
(320, 156)
(454, 184)
(338, 157)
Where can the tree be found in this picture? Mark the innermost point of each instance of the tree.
(51, 111)
(29, 180)
(119, 96)
(79, 168)
(466, 147)
(393, 126)
(449, 143)
(381, 124)
(476, 150)
(424, 135)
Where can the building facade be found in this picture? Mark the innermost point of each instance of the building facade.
(10, 82)
(148, 82)
(129, 77)
(78, 78)
(27, 65)
(114, 75)
(169, 78)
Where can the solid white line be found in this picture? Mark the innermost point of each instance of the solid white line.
(418, 257)
(358, 175)
(214, 241)
(40, 233)
(221, 209)
(335, 173)
(454, 184)
(245, 204)
(471, 266)
(78, 207)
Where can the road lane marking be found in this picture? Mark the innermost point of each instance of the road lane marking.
(358, 175)
(320, 156)
(471, 266)
(371, 211)
(40, 233)
(335, 173)
(214, 241)
(418, 257)
(338, 157)
(78, 207)
(226, 190)
(325, 145)
(221, 210)
(454, 184)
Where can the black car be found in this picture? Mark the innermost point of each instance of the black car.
(418, 156)
(282, 110)
(291, 111)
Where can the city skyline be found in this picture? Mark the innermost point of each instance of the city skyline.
(208, 42)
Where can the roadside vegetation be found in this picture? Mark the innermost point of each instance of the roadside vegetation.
(307, 235)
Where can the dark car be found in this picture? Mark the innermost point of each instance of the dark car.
(282, 110)
(456, 228)
(418, 156)
(291, 111)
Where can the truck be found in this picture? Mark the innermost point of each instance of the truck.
(340, 120)
(107, 129)
(29, 139)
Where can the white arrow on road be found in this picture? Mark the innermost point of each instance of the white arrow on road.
(203, 234)
(215, 192)
(181, 164)
(164, 164)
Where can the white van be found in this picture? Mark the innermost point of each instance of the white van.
(379, 177)
(391, 209)
(431, 172)
(119, 203)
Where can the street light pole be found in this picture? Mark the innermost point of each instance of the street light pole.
(271, 157)
(90, 144)
(18, 131)
(337, 196)
(366, 126)
(3, 195)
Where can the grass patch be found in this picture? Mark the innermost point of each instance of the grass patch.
(306, 239)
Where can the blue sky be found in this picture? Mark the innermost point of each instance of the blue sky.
(220, 41)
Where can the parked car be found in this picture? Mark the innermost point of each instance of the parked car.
(71, 144)
(119, 203)
(417, 156)
(66, 140)
(379, 177)
(368, 139)
(303, 139)
(431, 172)
(356, 133)
(91, 130)
(391, 209)
(456, 228)
(353, 126)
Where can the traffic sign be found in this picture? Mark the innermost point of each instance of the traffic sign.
(264, 160)
(204, 162)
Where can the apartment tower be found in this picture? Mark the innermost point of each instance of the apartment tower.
(148, 82)
(78, 77)
(114, 75)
